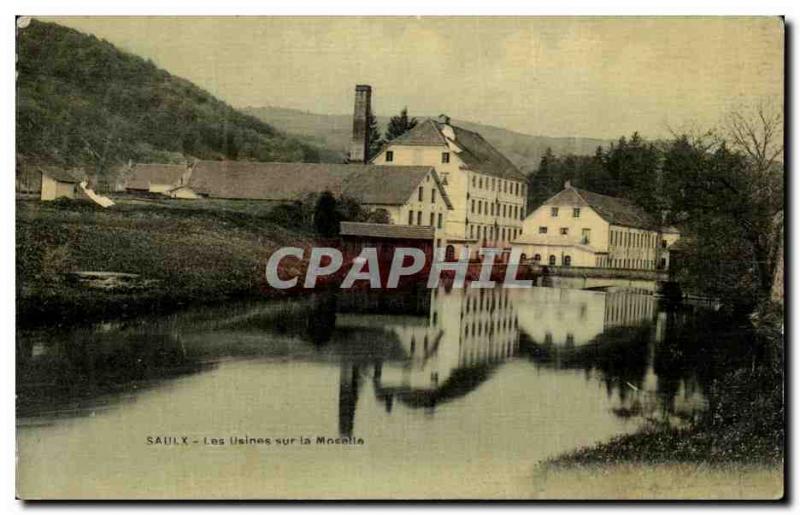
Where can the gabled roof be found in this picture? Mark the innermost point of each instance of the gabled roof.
(372, 230)
(141, 175)
(614, 210)
(389, 185)
(73, 176)
(476, 153)
(369, 184)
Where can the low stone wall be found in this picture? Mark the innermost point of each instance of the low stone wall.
(604, 273)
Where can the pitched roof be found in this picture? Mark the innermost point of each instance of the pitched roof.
(63, 174)
(614, 210)
(369, 184)
(389, 185)
(476, 153)
(141, 175)
(370, 230)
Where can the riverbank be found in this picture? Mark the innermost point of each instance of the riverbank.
(187, 254)
(741, 429)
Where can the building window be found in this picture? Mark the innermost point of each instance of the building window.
(473, 181)
(433, 196)
(472, 208)
(567, 260)
(537, 257)
(586, 235)
(445, 157)
(439, 221)
(564, 231)
(410, 218)
(480, 182)
(542, 230)
(663, 244)
(389, 156)
(419, 217)
(419, 194)
(471, 231)
(554, 211)
(576, 212)
(552, 260)
(431, 224)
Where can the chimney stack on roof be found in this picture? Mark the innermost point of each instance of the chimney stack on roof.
(359, 145)
(444, 119)
(567, 185)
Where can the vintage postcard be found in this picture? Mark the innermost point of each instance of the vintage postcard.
(394, 258)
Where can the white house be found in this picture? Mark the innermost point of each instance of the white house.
(580, 228)
(60, 183)
(486, 190)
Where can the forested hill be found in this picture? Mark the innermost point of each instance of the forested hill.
(81, 101)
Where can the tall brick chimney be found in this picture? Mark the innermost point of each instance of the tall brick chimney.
(359, 145)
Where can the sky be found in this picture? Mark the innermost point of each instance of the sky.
(591, 77)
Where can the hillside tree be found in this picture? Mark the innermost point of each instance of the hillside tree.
(399, 125)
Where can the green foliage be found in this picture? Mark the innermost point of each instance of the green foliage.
(399, 125)
(725, 202)
(326, 216)
(329, 211)
(83, 102)
(375, 140)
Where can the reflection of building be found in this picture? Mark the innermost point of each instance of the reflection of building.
(466, 329)
(576, 317)
(627, 309)
(580, 228)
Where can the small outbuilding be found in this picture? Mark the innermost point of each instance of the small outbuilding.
(60, 183)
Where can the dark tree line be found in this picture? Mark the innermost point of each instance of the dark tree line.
(723, 189)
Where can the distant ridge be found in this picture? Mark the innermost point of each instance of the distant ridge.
(333, 132)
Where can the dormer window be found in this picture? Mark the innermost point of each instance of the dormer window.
(389, 156)
(445, 157)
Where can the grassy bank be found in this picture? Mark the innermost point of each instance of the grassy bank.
(192, 253)
(742, 426)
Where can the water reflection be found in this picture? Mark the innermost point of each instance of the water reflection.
(421, 349)
(484, 383)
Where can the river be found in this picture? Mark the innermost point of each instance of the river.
(432, 394)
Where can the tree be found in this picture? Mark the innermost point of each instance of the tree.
(399, 125)
(728, 208)
(375, 140)
(326, 215)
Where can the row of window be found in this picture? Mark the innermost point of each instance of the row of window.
(435, 217)
(576, 212)
(390, 156)
(499, 185)
(491, 233)
(633, 239)
(565, 260)
(586, 233)
(484, 207)
(421, 195)
(647, 264)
